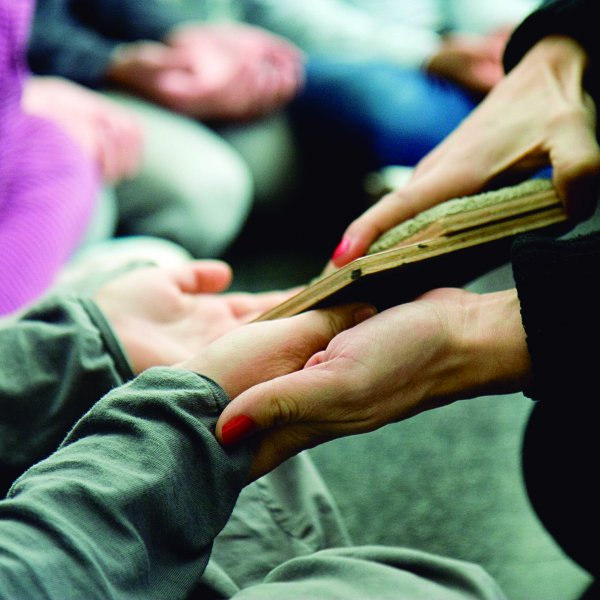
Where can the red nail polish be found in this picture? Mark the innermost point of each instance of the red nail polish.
(237, 429)
(341, 249)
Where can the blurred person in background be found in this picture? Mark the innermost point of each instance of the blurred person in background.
(206, 98)
(397, 75)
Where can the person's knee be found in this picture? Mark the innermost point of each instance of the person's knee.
(222, 202)
(203, 210)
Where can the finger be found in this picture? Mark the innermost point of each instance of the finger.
(202, 276)
(394, 208)
(279, 445)
(106, 154)
(247, 306)
(133, 144)
(575, 158)
(116, 133)
(292, 397)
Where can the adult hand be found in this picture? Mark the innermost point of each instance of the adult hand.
(262, 351)
(163, 316)
(449, 344)
(239, 71)
(142, 67)
(110, 135)
(552, 120)
(474, 63)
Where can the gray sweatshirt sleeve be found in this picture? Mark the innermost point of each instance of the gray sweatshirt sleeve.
(130, 503)
(76, 38)
(56, 361)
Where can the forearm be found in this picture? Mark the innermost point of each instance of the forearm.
(130, 503)
(77, 40)
(60, 44)
(57, 360)
(131, 20)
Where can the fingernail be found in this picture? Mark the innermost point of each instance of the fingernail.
(341, 249)
(364, 313)
(237, 429)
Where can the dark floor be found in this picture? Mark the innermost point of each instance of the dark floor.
(447, 481)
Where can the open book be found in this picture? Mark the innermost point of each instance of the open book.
(447, 245)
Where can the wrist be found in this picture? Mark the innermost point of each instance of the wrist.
(492, 346)
(487, 350)
(565, 59)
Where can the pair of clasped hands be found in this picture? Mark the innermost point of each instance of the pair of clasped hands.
(297, 382)
(230, 72)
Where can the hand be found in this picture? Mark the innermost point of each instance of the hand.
(552, 120)
(109, 134)
(237, 71)
(143, 67)
(474, 63)
(163, 316)
(265, 350)
(448, 345)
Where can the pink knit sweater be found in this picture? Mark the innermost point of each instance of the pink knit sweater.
(47, 185)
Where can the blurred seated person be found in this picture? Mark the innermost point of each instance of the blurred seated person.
(396, 76)
(196, 88)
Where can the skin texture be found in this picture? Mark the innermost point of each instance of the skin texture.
(447, 345)
(295, 391)
(109, 134)
(551, 121)
(213, 72)
(163, 316)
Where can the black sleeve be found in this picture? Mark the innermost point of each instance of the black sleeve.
(129, 20)
(557, 283)
(56, 361)
(576, 19)
(558, 288)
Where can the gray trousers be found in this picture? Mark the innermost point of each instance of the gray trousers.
(197, 185)
(287, 540)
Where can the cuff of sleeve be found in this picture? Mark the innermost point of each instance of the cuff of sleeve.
(113, 346)
(200, 397)
(556, 283)
(555, 18)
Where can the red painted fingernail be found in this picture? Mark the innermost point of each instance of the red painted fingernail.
(237, 429)
(341, 249)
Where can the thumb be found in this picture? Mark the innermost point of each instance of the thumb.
(575, 158)
(202, 276)
(265, 350)
(292, 398)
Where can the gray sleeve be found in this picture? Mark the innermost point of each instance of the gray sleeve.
(76, 38)
(130, 503)
(60, 44)
(56, 361)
